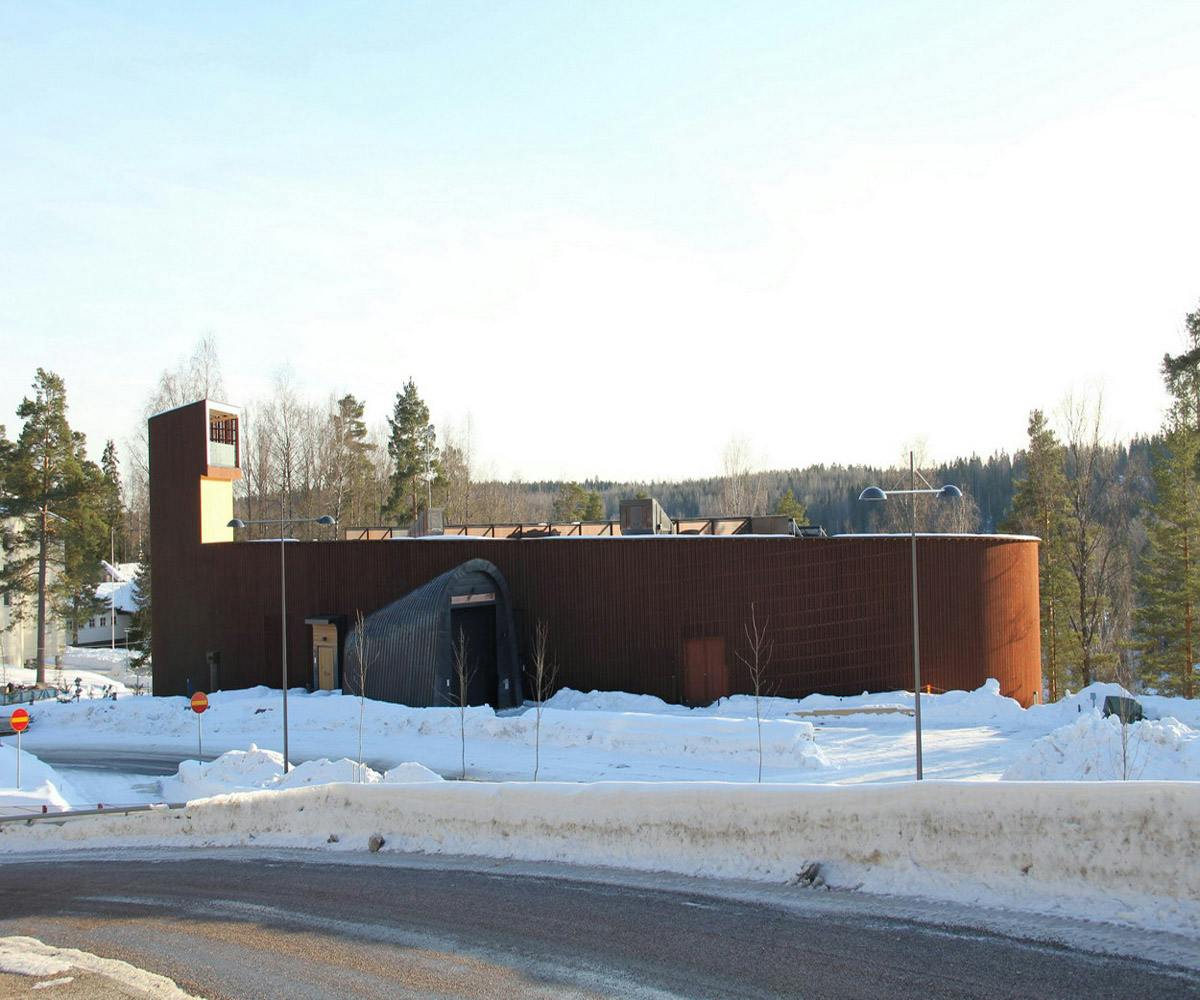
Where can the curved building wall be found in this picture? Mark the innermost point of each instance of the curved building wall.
(410, 644)
(661, 615)
(643, 615)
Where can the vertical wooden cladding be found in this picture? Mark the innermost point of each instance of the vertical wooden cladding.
(631, 613)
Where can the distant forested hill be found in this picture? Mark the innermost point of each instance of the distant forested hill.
(830, 492)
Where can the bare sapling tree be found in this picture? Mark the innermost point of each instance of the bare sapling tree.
(545, 673)
(364, 655)
(756, 658)
(1127, 714)
(464, 674)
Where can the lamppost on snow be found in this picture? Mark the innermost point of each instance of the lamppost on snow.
(283, 522)
(947, 492)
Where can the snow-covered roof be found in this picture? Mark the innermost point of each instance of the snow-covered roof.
(122, 595)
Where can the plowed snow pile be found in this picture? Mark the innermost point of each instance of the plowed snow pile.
(255, 769)
(41, 785)
(1097, 749)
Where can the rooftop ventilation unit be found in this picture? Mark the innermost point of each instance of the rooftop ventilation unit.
(431, 521)
(644, 516)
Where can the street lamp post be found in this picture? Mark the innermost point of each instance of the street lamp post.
(283, 522)
(112, 594)
(947, 492)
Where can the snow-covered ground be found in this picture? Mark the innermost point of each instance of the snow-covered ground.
(630, 781)
(969, 736)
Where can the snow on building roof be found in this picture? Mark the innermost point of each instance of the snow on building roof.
(121, 594)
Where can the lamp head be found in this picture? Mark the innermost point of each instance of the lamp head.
(949, 492)
(237, 522)
(872, 493)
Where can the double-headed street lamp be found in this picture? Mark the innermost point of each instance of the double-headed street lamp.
(946, 492)
(283, 522)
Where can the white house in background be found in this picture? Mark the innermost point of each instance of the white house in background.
(18, 640)
(117, 604)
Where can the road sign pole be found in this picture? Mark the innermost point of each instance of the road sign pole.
(199, 705)
(19, 721)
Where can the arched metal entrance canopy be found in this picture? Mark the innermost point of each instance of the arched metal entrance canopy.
(408, 645)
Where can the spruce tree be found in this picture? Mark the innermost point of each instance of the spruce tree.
(114, 508)
(1040, 508)
(1165, 622)
(143, 616)
(413, 450)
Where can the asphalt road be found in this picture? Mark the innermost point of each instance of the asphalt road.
(152, 763)
(113, 760)
(283, 925)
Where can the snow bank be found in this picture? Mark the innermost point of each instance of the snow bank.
(1093, 748)
(410, 772)
(41, 785)
(1121, 852)
(256, 769)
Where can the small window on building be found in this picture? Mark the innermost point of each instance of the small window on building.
(7, 599)
(91, 623)
(103, 622)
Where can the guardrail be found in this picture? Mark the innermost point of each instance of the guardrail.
(45, 816)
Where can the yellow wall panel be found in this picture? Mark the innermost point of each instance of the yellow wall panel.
(216, 510)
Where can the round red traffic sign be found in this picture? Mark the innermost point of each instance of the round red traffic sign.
(19, 720)
(199, 702)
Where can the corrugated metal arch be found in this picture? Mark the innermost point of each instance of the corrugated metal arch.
(408, 645)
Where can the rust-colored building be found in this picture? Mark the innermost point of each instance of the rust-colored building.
(654, 614)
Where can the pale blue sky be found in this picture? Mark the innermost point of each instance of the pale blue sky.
(615, 234)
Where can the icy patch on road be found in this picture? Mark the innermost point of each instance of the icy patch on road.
(1099, 749)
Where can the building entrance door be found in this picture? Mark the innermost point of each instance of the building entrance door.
(706, 674)
(325, 672)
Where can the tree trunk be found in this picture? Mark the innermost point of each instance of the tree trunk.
(41, 602)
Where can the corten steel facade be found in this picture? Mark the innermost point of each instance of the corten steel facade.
(662, 615)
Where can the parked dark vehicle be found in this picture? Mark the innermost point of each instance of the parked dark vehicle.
(1125, 709)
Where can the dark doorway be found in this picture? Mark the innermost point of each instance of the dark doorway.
(477, 626)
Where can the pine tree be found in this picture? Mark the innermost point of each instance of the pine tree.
(348, 464)
(50, 487)
(1039, 508)
(789, 506)
(413, 450)
(574, 503)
